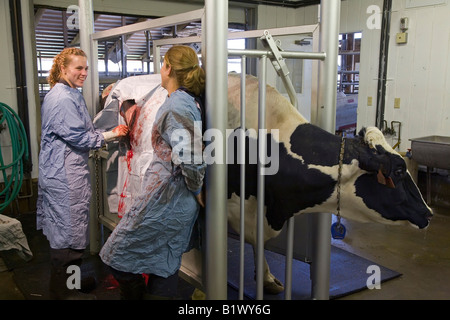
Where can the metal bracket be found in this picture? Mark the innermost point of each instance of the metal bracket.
(99, 154)
(277, 60)
(279, 63)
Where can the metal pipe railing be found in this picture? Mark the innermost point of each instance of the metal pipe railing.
(242, 181)
(216, 31)
(215, 38)
(285, 54)
(262, 146)
(263, 55)
(329, 43)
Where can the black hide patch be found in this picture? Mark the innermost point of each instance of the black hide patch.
(404, 202)
(294, 187)
(309, 142)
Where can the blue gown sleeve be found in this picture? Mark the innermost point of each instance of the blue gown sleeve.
(73, 124)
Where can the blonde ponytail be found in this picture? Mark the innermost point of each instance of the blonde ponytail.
(185, 65)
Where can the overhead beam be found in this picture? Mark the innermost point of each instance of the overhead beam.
(38, 16)
(150, 24)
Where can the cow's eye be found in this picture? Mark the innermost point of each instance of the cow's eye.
(399, 172)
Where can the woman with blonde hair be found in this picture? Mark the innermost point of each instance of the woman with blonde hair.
(152, 237)
(64, 188)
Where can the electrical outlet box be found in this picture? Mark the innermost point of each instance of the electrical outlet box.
(402, 38)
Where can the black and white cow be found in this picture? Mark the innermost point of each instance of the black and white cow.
(375, 184)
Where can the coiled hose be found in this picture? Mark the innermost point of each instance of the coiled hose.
(13, 180)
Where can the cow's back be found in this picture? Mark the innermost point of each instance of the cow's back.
(280, 113)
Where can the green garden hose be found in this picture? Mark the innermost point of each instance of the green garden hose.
(12, 173)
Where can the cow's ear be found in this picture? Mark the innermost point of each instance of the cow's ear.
(387, 181)
(362, 132)
(369, 161)
(380, 149)
(373, 161)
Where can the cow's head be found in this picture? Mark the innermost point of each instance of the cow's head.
(387, 187)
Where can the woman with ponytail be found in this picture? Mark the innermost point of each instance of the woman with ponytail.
(64, 188)
(151, 239)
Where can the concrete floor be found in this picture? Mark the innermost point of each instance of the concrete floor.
(422, 256)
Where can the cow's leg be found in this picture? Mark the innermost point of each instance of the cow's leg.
(271, 284)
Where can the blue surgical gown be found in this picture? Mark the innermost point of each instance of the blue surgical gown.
(152, 237)
(64, 188)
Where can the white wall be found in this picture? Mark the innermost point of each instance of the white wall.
(8, 93)
(8, 79)
(354, 18)
(418, 72)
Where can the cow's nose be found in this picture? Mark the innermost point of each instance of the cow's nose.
(429, 215)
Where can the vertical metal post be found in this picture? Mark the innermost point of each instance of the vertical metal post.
(216, 32)
(262, 146)
(242, 181)
(156, 59)
(289, 258)
(31, 76)
(148, 50)
(329, 43)
(383, 63)
(86, 25)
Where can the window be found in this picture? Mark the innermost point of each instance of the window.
(234, 64)
(348, 83)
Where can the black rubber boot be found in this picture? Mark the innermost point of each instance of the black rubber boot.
(59, 289)
(160, 288)
(132, 289)
(60, 260)
(131, 285)
(88, 284)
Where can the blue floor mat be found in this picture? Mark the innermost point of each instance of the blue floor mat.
(348, 273)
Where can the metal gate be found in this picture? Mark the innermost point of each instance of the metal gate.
(215, 26)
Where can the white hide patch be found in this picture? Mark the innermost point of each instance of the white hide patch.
(281, 115)
(250, 215)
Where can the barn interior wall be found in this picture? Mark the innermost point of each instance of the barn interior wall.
(8, 79)
(354, 18)
(8, 94)
(418, 72)
(419, 75)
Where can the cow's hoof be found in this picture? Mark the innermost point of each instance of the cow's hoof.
(273, 287)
